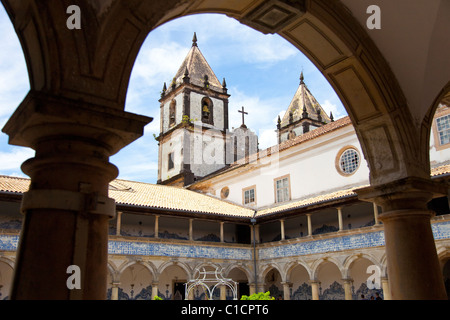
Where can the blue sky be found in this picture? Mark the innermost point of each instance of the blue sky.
(262, 74)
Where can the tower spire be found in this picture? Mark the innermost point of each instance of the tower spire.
(302, 78)
(194, 40)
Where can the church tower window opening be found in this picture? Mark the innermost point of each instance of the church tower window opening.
(170, 164)
(206, 110)
(172, 112)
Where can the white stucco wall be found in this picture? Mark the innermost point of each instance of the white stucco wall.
(207, 151)
(178, 112)
(175, 144)
(310, 166)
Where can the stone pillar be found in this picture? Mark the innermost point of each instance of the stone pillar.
(115, 291)
(221, 232)
(282, 229)
(156, 226)
(223, 292)
(286, 290)
(66, 209)
(348, 289)
(386, 289)
(118, 222)
(308, 215)
(412, 261)
(154, 289)
(252, 288)
(341, 225)
(315, 289)
(191, 230)
(191, 294)
(375, 213)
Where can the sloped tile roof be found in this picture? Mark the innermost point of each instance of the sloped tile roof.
(149, 195)
(309, 201)
(197, 67)
(303, 99)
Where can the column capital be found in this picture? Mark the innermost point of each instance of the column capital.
(407, 193)
(41, 115)
(347, 280)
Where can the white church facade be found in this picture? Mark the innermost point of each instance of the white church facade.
(285, 219)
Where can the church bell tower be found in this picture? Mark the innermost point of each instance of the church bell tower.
(194, 122)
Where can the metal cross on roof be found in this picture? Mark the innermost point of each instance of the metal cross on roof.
(243, 114)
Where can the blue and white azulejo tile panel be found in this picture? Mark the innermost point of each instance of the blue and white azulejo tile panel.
(441, 230)
(363, 240)
(9, 242)
(176, 250)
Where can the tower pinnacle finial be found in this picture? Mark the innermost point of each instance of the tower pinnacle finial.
(301, 78)
(194, 40)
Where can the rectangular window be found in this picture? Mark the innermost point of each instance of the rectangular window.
(171, 163)
(443, 129)
(282, 192)
(249, 196)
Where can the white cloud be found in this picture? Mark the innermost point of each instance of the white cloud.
(12, 159)
(338, 112)
(14, 82)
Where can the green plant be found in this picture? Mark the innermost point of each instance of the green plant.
(157, 298)
(258, 296)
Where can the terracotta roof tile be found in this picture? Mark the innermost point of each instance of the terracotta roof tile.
(151, 196)
(179, 199)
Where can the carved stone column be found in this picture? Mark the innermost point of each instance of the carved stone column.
(67, 208)
(412, 260)
(315, 289)
(348, 289)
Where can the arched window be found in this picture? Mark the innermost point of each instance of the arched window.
(172, 113)
(207, 110)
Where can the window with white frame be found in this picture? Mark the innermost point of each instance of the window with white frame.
(249, 196)
(282, 189)
(443, 129)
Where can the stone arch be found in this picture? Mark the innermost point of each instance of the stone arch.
(272, 277)
(319, 263)
(329, 274)
(135, 280)
(172, 276)
(328, 35)
(242, 267)
(351, 259)
(113, 273)
(443, 254)
(298, 275)
(356, 271)
(146, 264)
(294, 264)
(89, 72)
(6, 277)
(182, 265)
(427, 122)
(445, 265)
(265, 269)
